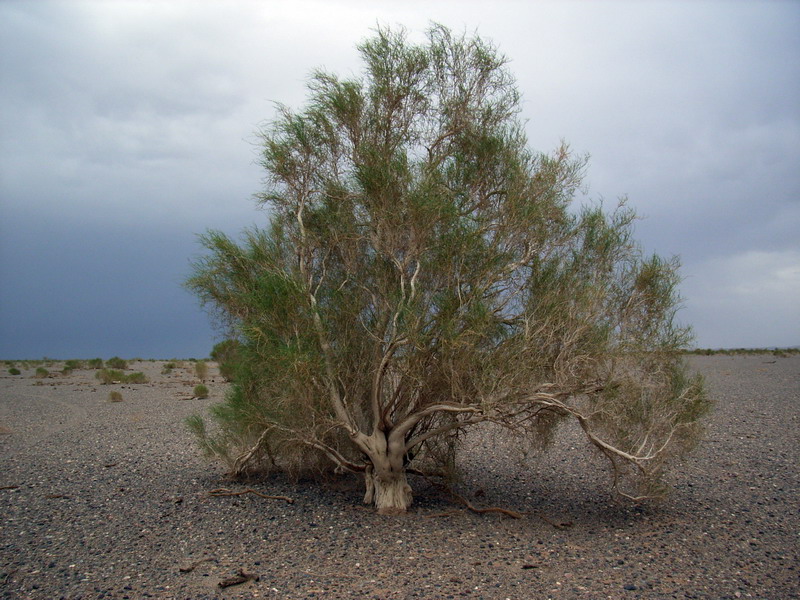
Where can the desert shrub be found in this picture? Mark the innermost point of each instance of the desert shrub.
(115, 362)
(114, 396)
(14, 371)
(137, 377)
(424, 271)
(200, 391)
(107, 376)
(41, 372)
(95, 363)
(73, 365)
(167, 368)
(201, 370)
(226, 353)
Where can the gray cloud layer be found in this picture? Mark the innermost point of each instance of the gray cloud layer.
(126, 128)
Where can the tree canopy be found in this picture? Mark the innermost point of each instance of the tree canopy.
(424, 271)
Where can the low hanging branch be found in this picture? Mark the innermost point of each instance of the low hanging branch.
(226, 492)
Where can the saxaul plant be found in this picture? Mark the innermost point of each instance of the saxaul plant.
(423, 272)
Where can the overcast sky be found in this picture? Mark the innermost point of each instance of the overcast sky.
(126, 128)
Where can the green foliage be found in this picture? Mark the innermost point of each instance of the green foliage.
(423, 271)
(137, 377)
(95, 363)
(225, 354)
(201, 370)
(41, 372)
(14, 371)
(200, 391)
(109, 376)
(73, 365)
(115, 362)
(114, 396)
(168, 368)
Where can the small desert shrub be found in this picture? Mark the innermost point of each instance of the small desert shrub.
(14, 371)
(95, 363)
(115, 362)
(201, 370)
(200, 391)
(114, 396)
(41, 372)
(73, 365)
(167, 369)
(107, 376)
(226, 354)
(137, 377)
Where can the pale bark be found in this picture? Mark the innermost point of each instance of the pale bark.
(387, 489)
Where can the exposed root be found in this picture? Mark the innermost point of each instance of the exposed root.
(227, 492)
(562, 525)
(240, 577)
(491, 509)
(196, 564)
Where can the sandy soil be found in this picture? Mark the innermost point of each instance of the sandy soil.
(107, 499)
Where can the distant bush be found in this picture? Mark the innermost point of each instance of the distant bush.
(780, 352)
(95, 363)
(137, 377)
(201, 370)
(226, 353)
(167, 369)
(115, 362)
(107, 376)
(41, 372)
(200, 391)
(73, 365)
(14, 371)
(114, 396)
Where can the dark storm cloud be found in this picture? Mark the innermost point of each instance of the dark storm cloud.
(127, 127)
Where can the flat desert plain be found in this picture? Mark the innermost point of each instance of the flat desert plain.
(105, 499)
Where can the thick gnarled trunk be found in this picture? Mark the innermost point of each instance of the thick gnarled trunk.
(389, 492)
(387, 489)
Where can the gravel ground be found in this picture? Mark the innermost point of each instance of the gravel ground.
(110, 500)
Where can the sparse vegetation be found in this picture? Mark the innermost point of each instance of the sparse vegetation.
(167, 368)
(137, 377)
(95, 363)
(780, 352)
(109, 376)
(200, 391)
(114, 396)
(201, 370)
(14, 371)
(115, 362)
(41, 373)
(225, 354)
